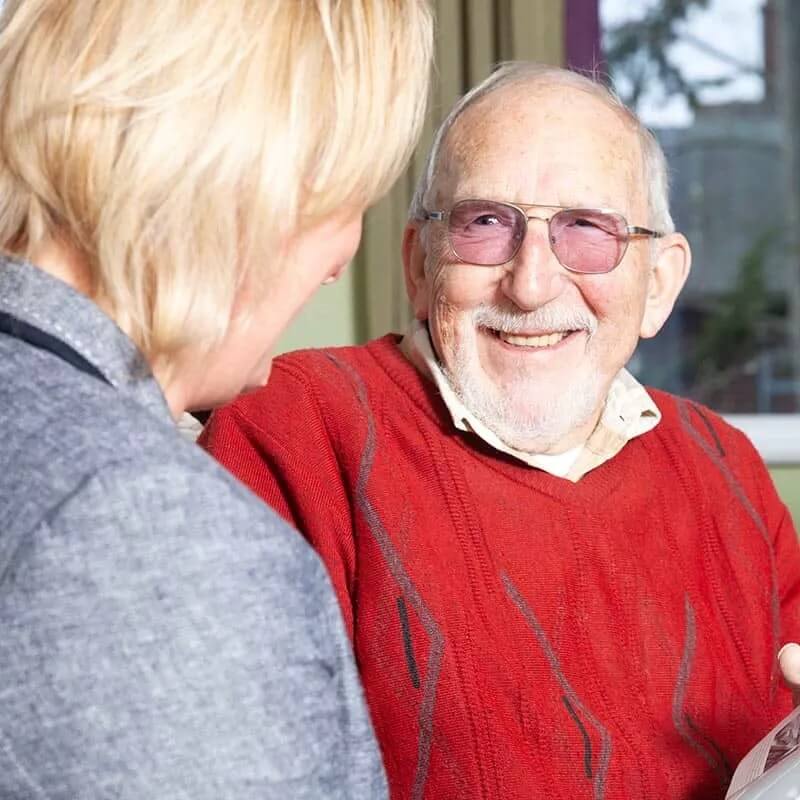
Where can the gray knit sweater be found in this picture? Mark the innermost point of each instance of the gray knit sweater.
(163, 635)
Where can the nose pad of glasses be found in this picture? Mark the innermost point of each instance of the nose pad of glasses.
(527, 230)
(515, 240)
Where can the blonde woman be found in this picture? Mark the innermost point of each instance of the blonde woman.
(176, 178)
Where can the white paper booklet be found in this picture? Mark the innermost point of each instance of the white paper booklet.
(771, 770)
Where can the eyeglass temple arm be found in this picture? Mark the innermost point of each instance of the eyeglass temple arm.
(635, 230)
(434, 216)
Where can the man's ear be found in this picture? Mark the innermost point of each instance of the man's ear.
(414, 270)
(667, 276)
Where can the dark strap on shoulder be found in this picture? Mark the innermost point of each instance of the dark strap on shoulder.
(44, 341)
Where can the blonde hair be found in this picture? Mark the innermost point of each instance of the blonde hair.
(177, 143)
(533, 75)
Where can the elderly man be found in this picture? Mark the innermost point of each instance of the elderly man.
(557, 583)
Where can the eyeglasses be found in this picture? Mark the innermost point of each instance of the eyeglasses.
(489, 233)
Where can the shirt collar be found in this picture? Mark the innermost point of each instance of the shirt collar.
(629, 411)
(39, 299)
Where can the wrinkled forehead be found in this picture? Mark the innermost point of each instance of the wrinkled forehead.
(554, 146)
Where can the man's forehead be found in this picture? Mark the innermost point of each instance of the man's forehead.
(561, 140)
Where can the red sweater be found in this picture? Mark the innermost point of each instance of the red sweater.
(518, 635)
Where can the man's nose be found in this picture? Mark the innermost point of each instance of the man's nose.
(534, 277)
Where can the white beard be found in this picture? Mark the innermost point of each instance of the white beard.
(521, 411)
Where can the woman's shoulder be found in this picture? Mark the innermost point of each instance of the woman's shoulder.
(99, 470)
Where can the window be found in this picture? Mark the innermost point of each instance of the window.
(718, 85)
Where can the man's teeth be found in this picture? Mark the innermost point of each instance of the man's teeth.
(534, 341)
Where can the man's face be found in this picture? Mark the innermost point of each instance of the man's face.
(531, 347)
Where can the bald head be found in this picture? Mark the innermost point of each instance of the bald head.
(504, 107)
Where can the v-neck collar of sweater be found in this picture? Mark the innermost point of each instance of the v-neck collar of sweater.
(596, 486)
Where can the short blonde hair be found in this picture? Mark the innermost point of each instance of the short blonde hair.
(177, 143)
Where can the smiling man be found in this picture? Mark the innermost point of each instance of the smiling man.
(558, 583)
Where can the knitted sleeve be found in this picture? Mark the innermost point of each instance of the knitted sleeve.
(788, 563)
(765, 506)
(751, 485)
(787, 553)
(754, 539)
(277, 443)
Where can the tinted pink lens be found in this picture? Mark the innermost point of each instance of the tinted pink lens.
(585, 240)
(483, 232)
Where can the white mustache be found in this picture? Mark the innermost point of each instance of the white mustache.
(547, 318)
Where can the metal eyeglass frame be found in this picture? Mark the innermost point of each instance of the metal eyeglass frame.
(630, 230)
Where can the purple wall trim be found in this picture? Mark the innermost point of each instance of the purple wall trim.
(583, 48)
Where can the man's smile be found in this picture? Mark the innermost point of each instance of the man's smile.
(539, 340)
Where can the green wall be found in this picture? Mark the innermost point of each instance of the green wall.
(787, 479)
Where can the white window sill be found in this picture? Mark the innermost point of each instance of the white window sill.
(776, 436)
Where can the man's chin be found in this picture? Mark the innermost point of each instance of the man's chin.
(535, 411)
(537, 422)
